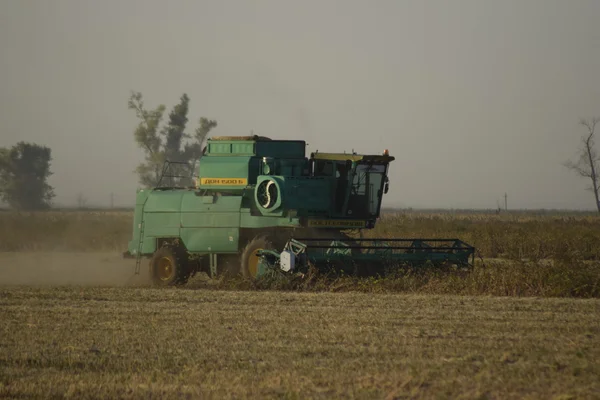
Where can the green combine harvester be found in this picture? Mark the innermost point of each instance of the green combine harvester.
(260, 206)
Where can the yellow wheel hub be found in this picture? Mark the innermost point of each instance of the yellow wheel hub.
(253, 263)
(165, 269)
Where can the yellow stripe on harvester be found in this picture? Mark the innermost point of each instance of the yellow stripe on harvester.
(224, 181)
(336, 223)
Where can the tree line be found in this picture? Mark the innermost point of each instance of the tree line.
(25, 167)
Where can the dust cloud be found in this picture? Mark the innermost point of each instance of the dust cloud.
(70, 269)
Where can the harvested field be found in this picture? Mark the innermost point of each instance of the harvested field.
(111, 342)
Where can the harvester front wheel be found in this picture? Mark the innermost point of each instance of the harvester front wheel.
(249, 259)
(168, 267)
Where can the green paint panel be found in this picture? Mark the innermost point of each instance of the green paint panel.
(308, 193)
(149, 245)
(219, 240)
(259, 148)
(204, 223)
(305, 194)
(162, 224)
(242, 148)
(234, 164)
(141, 196)
(230, 148)
(252, 221)
(210, 220)
(210, 211)
(191, 202)
(281, 148)
(165, 201)
(215, 167)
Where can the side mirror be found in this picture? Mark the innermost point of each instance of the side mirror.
(386, 187)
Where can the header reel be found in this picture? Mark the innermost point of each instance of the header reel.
(366, 257)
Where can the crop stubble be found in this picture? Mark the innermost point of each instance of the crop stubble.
(128, 342)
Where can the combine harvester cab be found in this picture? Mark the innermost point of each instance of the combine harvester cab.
(259, 205)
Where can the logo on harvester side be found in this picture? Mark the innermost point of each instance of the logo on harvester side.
(335, 223)
(224, 181)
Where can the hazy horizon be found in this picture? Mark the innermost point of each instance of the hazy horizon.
(474, 98)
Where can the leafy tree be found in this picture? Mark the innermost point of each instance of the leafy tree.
(168, 143)
(174, 132)
(586, 165)
(24, 170)
(193, 151)
(146, 136)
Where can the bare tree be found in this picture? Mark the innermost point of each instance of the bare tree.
(587, 164)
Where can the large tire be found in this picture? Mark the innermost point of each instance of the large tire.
(249, 259)
(169, 267)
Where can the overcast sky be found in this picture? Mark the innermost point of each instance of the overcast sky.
(473, 98)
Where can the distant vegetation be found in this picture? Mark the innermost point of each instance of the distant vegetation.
(523, 254)
(24, 171)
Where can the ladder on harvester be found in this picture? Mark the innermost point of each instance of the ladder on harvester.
(138, 255)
